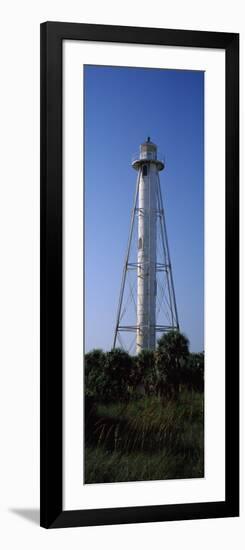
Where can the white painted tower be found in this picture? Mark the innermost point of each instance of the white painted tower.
(148, 166)
(154, 280)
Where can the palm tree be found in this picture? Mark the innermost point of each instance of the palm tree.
(147, 370)
(174, 343)
(195, 372)
(94, 371)
(118, 365)
(171, 359)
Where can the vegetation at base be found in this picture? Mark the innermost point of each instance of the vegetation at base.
(144, 415)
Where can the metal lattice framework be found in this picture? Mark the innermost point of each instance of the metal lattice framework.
(166, 316)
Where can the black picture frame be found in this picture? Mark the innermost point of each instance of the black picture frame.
(52, 35)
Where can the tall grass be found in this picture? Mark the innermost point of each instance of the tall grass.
(145, 439)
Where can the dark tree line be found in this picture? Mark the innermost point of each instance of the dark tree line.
(117, 376)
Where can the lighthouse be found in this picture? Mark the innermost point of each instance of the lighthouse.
(155, 301)
(148, 167)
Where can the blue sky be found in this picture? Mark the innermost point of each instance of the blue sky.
(122, 106)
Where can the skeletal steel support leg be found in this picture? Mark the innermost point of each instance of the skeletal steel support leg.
(133, 214)
(170, 282)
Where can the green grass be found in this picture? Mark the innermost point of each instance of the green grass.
(145, 439)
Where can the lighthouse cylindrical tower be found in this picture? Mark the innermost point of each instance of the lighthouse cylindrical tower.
(148, 166)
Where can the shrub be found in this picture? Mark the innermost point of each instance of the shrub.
(94, 373)
(118, 365)
(171, 359)
(194, 372)
(147, 371)
(107, 374)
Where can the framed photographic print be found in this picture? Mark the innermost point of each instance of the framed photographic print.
(139, 274)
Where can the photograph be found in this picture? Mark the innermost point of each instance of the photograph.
(139, 271)
(144, 342)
